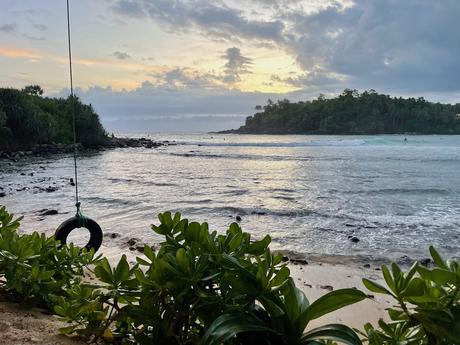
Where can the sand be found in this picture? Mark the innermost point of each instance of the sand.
(27, 326)
(318, 279)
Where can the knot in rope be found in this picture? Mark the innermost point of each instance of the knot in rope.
(79, 215)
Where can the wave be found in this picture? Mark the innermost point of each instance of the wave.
(138, 181)
(338, 142)
(230, 210)
(251, 157)
(387, 191)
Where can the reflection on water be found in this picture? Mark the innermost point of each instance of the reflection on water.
(309, 192)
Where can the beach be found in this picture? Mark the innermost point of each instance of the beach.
(21, 325)
(337, 206)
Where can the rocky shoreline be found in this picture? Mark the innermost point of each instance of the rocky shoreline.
(112, 143)
(36, 183)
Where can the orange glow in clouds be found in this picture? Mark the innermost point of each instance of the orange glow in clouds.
(19, 53)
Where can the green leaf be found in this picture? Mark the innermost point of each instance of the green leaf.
(280, 277)
(295, 304)
(182, 259)
(443, 276)
(388, 278)
(375, 287)
(437, 258)
(334, 332)
(330, 302)
(104, 272)
(259, 247)
(227, 326)
(121, 271)
(416, 287)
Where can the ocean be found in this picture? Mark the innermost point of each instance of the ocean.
(311, 194)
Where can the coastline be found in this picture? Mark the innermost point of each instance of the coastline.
(112, 143)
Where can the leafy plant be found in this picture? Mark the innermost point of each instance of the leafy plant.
(32, 266)
(202, 287)
(428, 304)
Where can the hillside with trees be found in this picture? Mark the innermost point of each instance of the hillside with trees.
(354, 113)
(28, 119)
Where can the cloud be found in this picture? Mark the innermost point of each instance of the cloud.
(9, 27)
(121, 55)
(212, 19)
(408, 46)
(236, 65)
(158, 106)
(40, 27)
(185, 78)
(401, 46)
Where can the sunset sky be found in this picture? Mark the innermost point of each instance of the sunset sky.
(192, 65)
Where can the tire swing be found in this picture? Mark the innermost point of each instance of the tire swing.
(79, 220)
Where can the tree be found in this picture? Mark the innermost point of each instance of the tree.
(353, 112)
(33, 90)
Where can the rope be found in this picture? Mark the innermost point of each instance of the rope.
(79, 215)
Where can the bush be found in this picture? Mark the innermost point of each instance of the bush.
(428, 304)
(34, 266)
(201, 288)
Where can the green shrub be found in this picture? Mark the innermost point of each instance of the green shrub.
(201, 288)
(428, 304)
(33, 266)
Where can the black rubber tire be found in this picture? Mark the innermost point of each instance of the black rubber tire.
(70, 224)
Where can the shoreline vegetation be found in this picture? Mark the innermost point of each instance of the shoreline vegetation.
(354, 113)
(200, 287)
(31, 124)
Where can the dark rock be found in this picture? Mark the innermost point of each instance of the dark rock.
(405, 260)
(259, 213)
(72, 183)
(51, 189)
(354, 239)
(370, 296)
(327, 287)
(132, 248)
(140, 248)
(377, 268)
(285, 259)
(31, 174)
(46, 212)
(367, 265)
(2, 194)
(21, 189)
(299, 262)
(132, 241)
(23, 174)
(307, 285)
(350, 225)
(114, 235)
(425, 262)
(238, 218)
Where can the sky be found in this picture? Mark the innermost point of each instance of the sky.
(197, 66)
